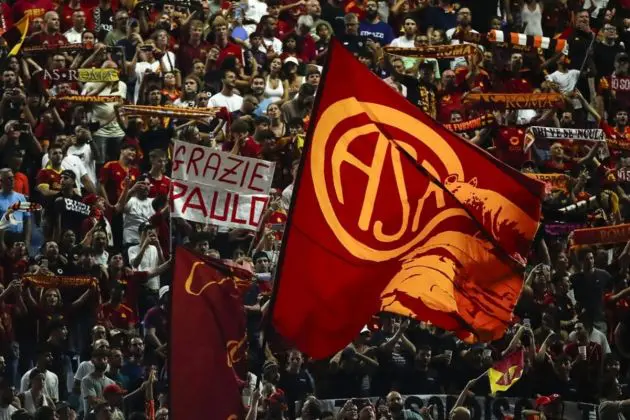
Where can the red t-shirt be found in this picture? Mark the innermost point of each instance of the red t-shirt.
(31, 8)
(121, 317)
(187, 54)
(112, 176)
(50, 177)
(230, 49)
(518, 85)
(42, 38)
(251, 148)
(447, 103)
(609, 86)
(509, 143)
(66, 17)
(160, 186)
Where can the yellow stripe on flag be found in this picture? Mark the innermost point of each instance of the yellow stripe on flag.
(504, 373)
(22, 26)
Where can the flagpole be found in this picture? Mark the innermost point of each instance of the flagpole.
(268, 317)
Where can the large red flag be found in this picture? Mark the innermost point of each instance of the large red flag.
(208, 341)
(392, 212)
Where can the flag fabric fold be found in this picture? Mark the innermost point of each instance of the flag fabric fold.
(506, 372)
(208, 338)
(393, 212)
(14, 36)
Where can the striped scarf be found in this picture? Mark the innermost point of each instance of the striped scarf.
(515, 39)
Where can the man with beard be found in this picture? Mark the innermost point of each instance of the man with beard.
(454, 35)
(449, 97)
(420, 379)
(227, 98)
(51, 381)
(372, 27)
(397, 410)
(193, 48)
(51, 34)
(271, 44)
(92, 385)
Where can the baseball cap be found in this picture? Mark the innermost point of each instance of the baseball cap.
(622, 56)
(114, 389)
(69, 174)
(291, 60)
(546, 400)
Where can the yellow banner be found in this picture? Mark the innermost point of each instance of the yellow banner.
(98, 75)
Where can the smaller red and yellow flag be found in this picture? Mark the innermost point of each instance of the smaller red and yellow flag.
(504, 373)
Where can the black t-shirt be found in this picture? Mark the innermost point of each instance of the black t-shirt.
(589, 291)
(604, 57)
(103, 22)
(420, 382)
(72, 212)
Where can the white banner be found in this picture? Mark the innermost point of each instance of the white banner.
(216, 205)
(555, 133)
(482, 408)
(222, 170)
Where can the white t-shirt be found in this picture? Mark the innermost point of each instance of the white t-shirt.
(104, 113)
(150, 260)
(403, 42)
(596, 337)
(7, 412)
(274, 43)
(84, 152)
(232, 103)
(255, 10)
(565, 81)
(72, 163)
(141, 70)
(73, 36)
(51, 384)
(136, 212)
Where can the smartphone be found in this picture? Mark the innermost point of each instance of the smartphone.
(43, 263)
(146, 48)
(527, 322)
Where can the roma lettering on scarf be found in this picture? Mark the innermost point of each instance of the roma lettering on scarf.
(500, 101)
(601, 235)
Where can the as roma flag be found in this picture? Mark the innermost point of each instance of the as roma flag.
(392, 212)
(208, 344)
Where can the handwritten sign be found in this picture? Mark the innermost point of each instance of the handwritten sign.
(216, 205)
(203, 165)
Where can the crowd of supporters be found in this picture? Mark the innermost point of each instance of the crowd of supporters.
(97, 182)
